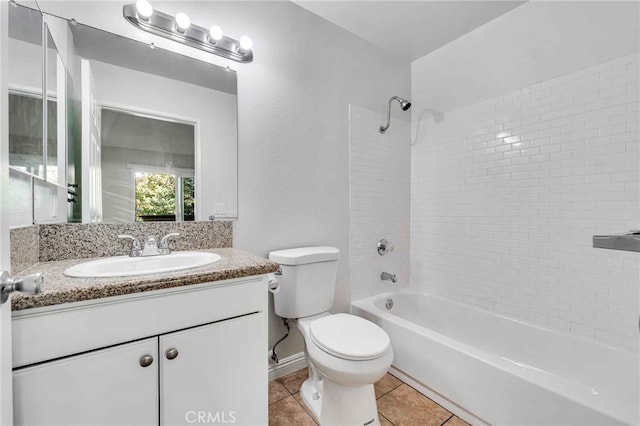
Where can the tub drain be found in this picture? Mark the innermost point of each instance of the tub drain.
(389, 304)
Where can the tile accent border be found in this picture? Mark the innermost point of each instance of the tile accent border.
(24, 250)
(77, 241)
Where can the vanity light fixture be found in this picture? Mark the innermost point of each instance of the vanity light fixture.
(212, 40)
(182, 22)
(215, 33)
(245, 44)
(144, 9)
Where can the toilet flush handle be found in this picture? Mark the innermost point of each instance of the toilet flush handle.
(273, 284)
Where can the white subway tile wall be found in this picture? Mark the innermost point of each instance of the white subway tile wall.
(379, 188)
(507, 193)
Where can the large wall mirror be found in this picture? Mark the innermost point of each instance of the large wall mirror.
(130, 131)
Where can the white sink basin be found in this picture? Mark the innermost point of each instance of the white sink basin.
(124, 266)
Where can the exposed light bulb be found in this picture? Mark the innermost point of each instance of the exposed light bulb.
(183, 21)
(245, 43)
(144, 8)
(215, 33)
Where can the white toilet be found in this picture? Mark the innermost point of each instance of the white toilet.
(346, 354)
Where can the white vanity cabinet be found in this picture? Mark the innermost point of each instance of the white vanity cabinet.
(182, 356)
(104, 387)
(210, 377)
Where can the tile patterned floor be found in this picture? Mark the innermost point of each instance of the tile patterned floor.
(398, 404)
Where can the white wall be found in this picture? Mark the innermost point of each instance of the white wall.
(214, 112)
(534, 42)
(506, 193)
(293, 120)
(379, 188)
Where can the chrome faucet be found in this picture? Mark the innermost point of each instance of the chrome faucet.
(163, 248)
(136, 249)
(151, 247)
(387, 276)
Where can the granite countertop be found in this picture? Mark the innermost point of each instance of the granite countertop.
(59, 288)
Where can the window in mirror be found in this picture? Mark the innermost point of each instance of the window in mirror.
(163, 197)
(148, 168)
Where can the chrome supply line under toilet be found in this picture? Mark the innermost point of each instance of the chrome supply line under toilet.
(404, 104)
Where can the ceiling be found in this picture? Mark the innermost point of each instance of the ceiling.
(409, 29)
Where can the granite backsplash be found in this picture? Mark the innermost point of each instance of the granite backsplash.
(23, 243)
(44, 243)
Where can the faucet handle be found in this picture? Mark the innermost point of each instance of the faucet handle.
(164, 242)
(136, 249)
(135, 242)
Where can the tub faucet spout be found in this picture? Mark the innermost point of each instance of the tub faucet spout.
(387, 276)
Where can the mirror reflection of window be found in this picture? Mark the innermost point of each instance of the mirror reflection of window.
(188, 198)
(163, 197)
(148, 168)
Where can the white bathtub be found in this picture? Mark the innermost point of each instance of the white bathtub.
(496, 370)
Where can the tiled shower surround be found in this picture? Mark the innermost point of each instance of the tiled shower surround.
(507, 193)
(379, 208)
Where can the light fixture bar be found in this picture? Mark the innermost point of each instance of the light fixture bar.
(164, 25)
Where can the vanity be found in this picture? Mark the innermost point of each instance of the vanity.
(165, 349)
(119, 137)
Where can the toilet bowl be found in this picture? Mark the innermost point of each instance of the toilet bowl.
(345, 354)
(347, 362)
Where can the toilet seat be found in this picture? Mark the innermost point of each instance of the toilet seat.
(349, 337)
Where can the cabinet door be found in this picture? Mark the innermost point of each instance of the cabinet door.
(104, 387)
(218, 376)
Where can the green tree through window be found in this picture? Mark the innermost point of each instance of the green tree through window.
(156, 197)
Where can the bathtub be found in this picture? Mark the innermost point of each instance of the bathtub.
(491, 369)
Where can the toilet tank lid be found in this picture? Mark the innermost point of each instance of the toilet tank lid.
(303, 255)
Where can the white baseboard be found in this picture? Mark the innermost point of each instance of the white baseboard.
(286, 365)
(450, 406)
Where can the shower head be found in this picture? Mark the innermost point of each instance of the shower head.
(404, 104)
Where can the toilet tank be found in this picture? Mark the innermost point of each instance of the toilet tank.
(307, 282)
